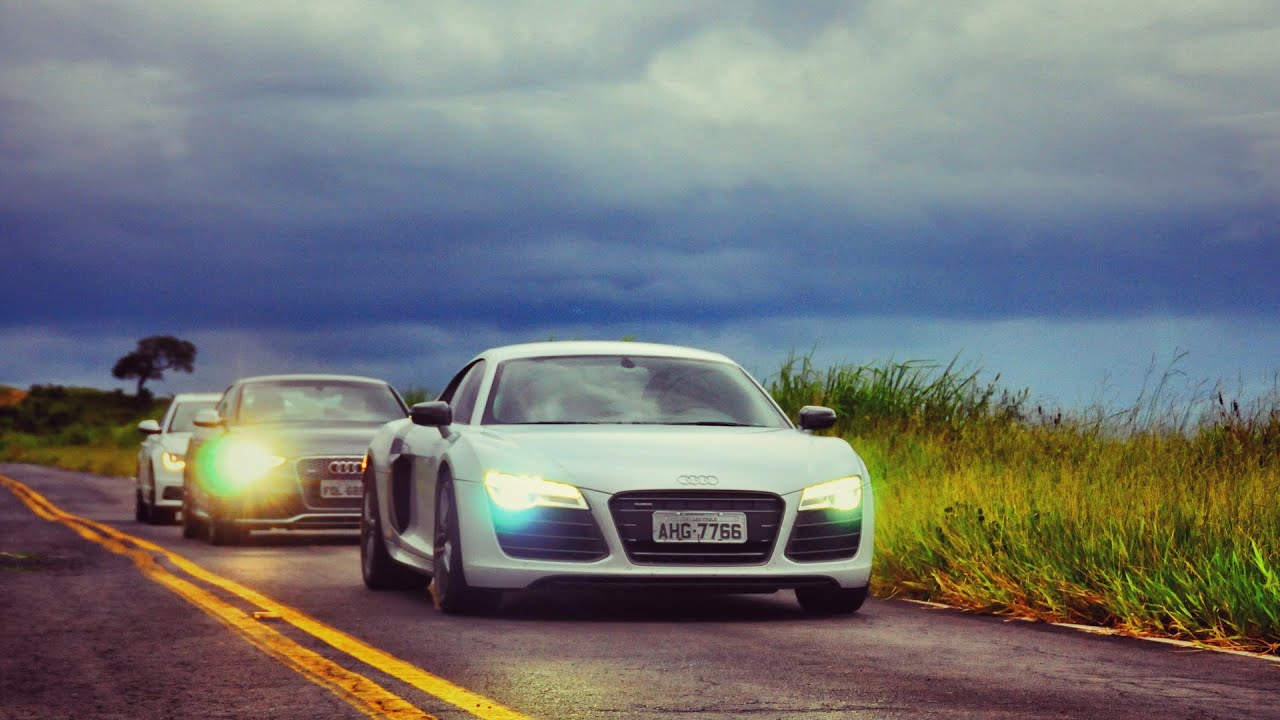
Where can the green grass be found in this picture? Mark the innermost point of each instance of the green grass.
(1148, 522)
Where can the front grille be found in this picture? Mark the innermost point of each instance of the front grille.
(312, 470)
(173, 492)
(562, 534)
(633, 516)
(821, 535)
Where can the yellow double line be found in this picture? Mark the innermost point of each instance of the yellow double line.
(362, 693)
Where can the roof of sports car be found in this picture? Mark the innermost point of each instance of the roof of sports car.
(597, 347)
(311, 377)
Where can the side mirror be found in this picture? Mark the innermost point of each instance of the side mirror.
(435, 413)
(816, 417)
(207, 419)
(148, 427)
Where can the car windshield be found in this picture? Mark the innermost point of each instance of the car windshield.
(627, 390)
(318, 401)
(184, 411)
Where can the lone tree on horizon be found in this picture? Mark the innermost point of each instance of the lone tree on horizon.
(155, 355)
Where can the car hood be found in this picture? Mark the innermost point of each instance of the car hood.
(175, 442)
(613, 458)
(298, 440)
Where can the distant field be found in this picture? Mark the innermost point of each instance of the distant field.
(1160, 520)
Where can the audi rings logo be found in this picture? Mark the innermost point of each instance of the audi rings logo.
(698, 480)
(344, 467)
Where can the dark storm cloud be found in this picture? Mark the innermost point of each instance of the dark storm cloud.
(230, 166)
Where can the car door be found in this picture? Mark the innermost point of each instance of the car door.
(428, 446)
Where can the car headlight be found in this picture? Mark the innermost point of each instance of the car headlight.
(842, 494)
(522, 492)
(238, 464)
(173, 462)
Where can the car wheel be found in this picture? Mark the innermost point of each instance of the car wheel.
(224, 531)
(140, 511)
(192, 527)
(379, 570)
(831, 600)
(449, 581)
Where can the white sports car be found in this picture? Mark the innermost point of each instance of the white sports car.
(615, 465)
(162, 457)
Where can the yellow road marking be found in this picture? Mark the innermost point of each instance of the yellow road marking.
(460, 697)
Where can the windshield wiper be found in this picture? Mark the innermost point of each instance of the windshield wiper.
(715, 423)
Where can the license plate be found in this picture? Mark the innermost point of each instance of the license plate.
(671, 526)
(341, 488)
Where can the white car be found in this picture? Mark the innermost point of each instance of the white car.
(162, 456)
(613, 465)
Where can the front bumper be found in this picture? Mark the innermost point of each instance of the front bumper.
(168, 486)
(290, 498)
(489, 566)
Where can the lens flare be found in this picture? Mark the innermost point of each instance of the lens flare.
(233, 465)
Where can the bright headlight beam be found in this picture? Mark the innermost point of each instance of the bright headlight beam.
(240, 463)
(523, 492)
(173, 462)
(841, 494)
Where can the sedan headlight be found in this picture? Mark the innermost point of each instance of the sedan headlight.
(842, 494)
(173, 462)
(522, 492)
(238, 464)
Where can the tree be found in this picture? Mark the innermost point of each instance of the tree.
(153, 357)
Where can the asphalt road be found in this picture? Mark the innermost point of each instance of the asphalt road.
(85, 633)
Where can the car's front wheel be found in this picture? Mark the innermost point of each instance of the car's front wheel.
(449, 581)
(831, 600)
(379, 571)
(140, 511)
(192, 526)
(225, 531)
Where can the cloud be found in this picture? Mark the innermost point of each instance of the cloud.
(235, 170)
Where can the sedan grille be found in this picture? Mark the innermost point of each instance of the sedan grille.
(821, 535)
(633, 516)
(313, 471)
(562, 534)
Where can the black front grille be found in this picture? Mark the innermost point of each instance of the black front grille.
(633, 515)
(312, 470)
(821, 535)
(562, 534)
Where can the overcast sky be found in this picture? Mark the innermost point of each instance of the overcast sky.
(1063, 193)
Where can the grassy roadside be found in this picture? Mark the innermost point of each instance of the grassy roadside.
(1150, 523)
(97, 460)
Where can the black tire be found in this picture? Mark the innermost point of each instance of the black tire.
(379, 570)
(192, 526)
(141, 512)
(831, 600)
(449, 581)
(224, 531)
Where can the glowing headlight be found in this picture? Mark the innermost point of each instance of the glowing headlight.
(173, 462)
(522, 492)
(842, 494)
(237, 464)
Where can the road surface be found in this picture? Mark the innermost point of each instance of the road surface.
(103, 617)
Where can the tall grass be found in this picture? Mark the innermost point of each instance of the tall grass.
(1143, 520)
